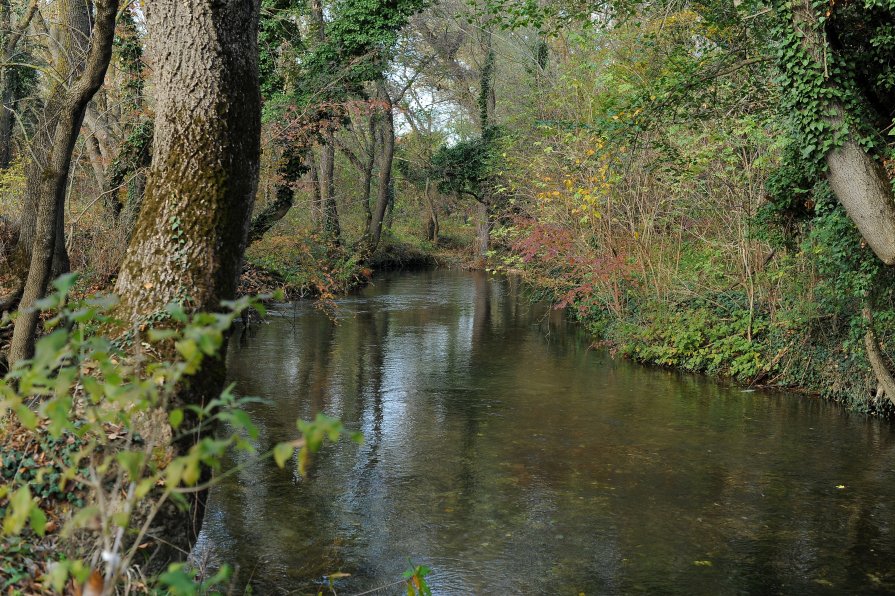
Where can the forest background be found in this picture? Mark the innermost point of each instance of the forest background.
(705, 185)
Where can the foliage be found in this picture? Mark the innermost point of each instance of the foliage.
(114, 411)
(468, 167)
(717, 341)
(310, 266)
(416, 580)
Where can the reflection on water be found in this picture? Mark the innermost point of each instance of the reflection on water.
(511, 459)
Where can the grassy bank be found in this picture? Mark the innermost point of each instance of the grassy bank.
(786, 333)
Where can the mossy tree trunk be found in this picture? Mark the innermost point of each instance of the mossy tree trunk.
(41, 242)
(191, 233)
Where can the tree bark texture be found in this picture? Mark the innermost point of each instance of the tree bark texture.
(48, 171)
(192, 229)
(70, 30)
(877, 361)
(860, 183)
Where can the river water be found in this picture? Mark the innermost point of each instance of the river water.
(508, 456)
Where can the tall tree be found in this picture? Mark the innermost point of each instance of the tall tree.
(191, 233)
(42, 236)
(386, 189)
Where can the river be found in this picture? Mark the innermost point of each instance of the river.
(511, 458)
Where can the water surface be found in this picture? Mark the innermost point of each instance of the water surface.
(511, 458)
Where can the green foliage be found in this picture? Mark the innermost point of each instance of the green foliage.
(179, 580)
(42, 463)
(89, 434)
(848, 269)
(469, 167)
(415, 577)
(355, 47)
(309, 265)
(717, 340)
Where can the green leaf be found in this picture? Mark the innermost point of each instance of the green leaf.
(19, 511)
(178, 580)
(157, 335)
(282, 453)
(38, 520)
(132, 462)
(175, 418)
(64, 283)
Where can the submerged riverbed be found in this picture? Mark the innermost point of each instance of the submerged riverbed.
(510, 458)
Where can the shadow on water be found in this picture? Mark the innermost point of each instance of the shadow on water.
(510, 458)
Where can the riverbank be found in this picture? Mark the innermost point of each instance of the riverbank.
(725, 336)
(300, 266)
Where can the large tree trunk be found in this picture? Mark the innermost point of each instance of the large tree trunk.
(386, 159)
(48, 171)
(857, 179)
(191, 233)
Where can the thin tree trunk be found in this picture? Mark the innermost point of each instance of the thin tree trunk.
(386, 159)
(289, 171)
(63, 117)
(331, 227)
(8, 75)
(70, 32)
(330, 212)
(483, 231)
(432, 225)
(487, 103)
(365, 168)
(6, 88)
(368, 174)
(877, 361)
(316, 196)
